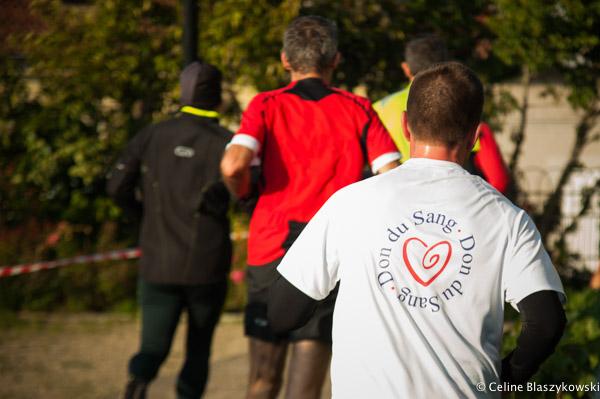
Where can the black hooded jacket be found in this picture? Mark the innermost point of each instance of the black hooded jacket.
(185, 230)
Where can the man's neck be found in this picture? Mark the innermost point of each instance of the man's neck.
(299, 76)
(439, 152)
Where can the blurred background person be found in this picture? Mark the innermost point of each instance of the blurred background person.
(485, 159)
(186, 249)
(311, 140)
(595, 279)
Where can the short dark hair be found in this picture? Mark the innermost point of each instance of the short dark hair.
(425, 51)
(310, 43)
(445, 103)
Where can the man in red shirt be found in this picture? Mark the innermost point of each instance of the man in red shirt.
(310, 139)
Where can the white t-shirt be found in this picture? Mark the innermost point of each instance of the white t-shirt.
(426, 256)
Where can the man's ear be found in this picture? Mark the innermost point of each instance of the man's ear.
(336, 60)
(475, 137)
(285, 62)
(405, 130)
(406, 70)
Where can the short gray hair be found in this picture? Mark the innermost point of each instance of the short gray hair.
(310, 43)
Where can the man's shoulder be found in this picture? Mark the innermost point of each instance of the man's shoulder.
(500, 203)
(192, 125)
(174, 120)
(359, 189)
(351, 96)
(156, 127)
(225, 131)
(353, 100)
(222, 133)
(265, 96)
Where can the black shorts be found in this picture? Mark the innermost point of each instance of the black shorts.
(256, 323)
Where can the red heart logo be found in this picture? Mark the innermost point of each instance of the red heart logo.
(434, 256)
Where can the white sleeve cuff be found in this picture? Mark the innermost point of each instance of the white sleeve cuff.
(384, 159)
(247, 141)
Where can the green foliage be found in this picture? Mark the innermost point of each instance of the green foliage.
(243, 38)
(372, 36)
(577, 357)
(94, 75)
(79, 287)
(92, 78)
(520, 28)
(559, 35)
(79, 89)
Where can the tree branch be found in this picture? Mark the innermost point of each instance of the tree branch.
(518, 136)
(562, 253)
(549, 219)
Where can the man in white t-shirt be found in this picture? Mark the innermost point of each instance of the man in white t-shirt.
(426, 257)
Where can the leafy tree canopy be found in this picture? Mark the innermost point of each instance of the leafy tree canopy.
(90, 78)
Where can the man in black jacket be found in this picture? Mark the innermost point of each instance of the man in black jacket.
(186, 249)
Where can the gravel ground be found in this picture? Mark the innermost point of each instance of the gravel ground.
(84, 356)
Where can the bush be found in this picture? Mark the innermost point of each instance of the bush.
(578, 353)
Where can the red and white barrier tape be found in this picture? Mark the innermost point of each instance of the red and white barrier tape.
(35, 267)
(122, 254)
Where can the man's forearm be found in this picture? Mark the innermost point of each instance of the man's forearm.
(543, 325)
(235, 167)
(387, 167)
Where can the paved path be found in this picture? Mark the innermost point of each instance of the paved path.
(84, 356)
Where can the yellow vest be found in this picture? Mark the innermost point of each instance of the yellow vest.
(390, 111)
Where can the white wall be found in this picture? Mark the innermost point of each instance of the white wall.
(550, 135)
(550, 131)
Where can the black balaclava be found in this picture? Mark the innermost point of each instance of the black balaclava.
(200, 85)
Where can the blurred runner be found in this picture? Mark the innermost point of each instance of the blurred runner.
(311, 140)
(186, 250)
(425, 269)
(485, 160)
(595, 279)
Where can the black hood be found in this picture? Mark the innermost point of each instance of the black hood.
(200, 86)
